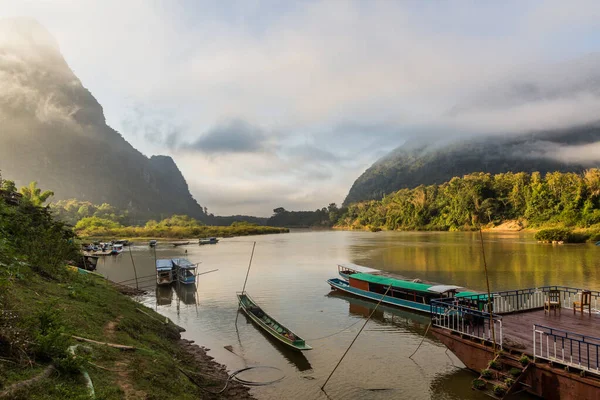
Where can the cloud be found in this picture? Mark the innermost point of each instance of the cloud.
(586, 154)
(232, 136)
(297, 100)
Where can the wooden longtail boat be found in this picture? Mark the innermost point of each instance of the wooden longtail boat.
(185, 270)
(270, 325)
(164, 272)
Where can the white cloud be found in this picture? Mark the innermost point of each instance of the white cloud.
(383, 70)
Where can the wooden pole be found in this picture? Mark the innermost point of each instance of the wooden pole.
(245, 280)
(487, 281)
(356, 337)
(134, 270)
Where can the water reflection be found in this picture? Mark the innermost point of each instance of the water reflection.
(164, 295)
(295, 357)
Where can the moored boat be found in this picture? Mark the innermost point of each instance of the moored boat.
(210, 240)
(164, 272)
(177, 244)
(347, 269)
(270, 325)
(152, 243)
(116, 249)
(185, 270)
(407, 294)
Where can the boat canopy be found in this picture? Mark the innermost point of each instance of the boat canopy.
(164, 265)
(183, 263)
(395, 283)
(482, 296)
(358, 268)
(443, 288)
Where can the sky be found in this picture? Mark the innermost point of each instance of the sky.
(267, 104)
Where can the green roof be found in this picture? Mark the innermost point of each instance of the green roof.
(395, 283)
(482, 296)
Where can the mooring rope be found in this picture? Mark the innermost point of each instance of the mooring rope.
(333, 334)
(233, 376)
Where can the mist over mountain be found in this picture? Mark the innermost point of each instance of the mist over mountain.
(53, 130)
(545, 120)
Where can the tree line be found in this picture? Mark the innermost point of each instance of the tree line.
(480, 199)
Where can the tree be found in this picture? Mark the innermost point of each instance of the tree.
(35, 194)
(279, 210)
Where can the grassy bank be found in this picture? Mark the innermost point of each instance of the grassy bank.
(40, 316)
(179, 232)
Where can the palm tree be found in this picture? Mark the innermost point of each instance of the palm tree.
(35, 194)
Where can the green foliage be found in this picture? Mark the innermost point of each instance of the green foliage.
(324, 217)
(486, 373)
(478, 199)
(509, 382)
(72, 211)
(514, 372)
(499, 390)
(35, 195)
(553, 234)
(95, 223)
(524, 360)
(495, 365)
(479, 384)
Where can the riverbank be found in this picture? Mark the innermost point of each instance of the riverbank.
(42, 316)
(179, 232)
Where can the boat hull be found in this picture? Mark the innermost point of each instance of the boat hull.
(343, 286)
(268, 329)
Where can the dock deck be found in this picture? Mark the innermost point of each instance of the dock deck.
(517, 328)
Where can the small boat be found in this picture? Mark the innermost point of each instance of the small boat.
(176, 244)
(210, 240)
(270, 325)
(152, 243)
(116, 249)
(123, 242)
(598, 243)
(185, 270)
(164, 272)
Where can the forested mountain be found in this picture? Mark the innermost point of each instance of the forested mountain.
(430, 161)
(53, 130)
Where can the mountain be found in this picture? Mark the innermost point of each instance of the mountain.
(53, 130)
(427, 161)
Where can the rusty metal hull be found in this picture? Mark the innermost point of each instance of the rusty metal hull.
(545, 380)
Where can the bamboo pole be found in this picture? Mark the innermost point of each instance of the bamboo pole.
(356, 337)
(137, 286)
(245, 280)
(487, 281)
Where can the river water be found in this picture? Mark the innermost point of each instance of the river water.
(288, 279)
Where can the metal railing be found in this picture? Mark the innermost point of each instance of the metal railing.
(567, 348)
(465, 320)
(509, 301)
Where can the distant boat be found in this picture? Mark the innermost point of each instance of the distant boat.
(152, 243)
(598, 243)
(270, 325)
(176, 244)
(211, 240)
(123, 242)
(116, 249)
(185, 270)
(164, 272)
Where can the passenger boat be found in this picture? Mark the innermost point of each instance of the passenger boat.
(270, 325)
(164, 272)
(412, 295)
(116, 249)
(211, 240)
(152, 243)
(185, 270)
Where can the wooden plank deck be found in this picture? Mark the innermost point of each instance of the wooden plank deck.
(519, 327)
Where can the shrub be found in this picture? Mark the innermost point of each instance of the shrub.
(514, 372)
(509, 382)
(499, 390)
(486, 373)
(524, 360)
(479, 384)
(553, 234)
(495, 365)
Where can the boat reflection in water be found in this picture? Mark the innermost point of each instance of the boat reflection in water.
(186, 293)
(164, 295)
(294, 357)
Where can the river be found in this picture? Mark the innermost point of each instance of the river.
(288, 279)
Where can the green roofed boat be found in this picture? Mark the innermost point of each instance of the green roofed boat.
(270, 325)
(410, 294)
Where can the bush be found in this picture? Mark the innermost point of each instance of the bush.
(524, 360)
(514, 372)
(553, 234)
(495, 365)
(499, 390)
(479, 384)
(509, 382)
(486, 373)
